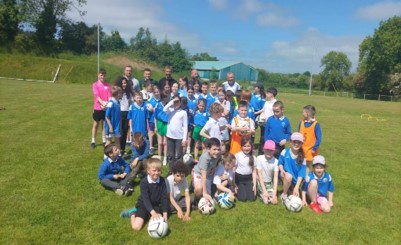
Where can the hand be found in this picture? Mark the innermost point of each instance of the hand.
(236, 189)
(122, 176)
(223, 177)
(155, 216)
(274, 199)
(229, 126)
(180, 215)
(331, 204)
(232, 196)
(282, 174)
(134, 163)
(313, 151)
(186, 217)
(184, 143)
(304, 203)
(296, 192)
(282, 142)
(207, 196)
(254, 189)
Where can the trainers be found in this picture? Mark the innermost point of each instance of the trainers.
(119, 192)
(127, 212)
(283, 198)
(93, 145)
(128, 190)
(151, 151)
(315, 207)
(164, 162)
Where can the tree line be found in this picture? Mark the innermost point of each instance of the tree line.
(43, 28)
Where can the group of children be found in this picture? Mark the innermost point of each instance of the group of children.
(221, 124)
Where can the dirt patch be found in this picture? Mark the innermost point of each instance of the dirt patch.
(137, 64)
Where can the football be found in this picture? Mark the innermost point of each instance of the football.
(224, 200)
(157, 228)
(188, 160)
(149, 107)
(293, 203)
(206, 207)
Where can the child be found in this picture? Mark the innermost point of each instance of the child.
(139, 158)
(192, 101)
(245, 171)
(196, 89)
(246, 95)
(267, 169)
(101, 95)
(176, 185)
(147, 91)
(153, 200)
(125, 102)
(317, 185)
(203, 172)
(113, 117)
(212, 128)
(278, 128)
(177, 130)
(224, 176)
(204, 90)
(190, 117)
(292, 166)
(174, 90)
(271, 94)
(310, 129)
(241, 125)
(138, 116)
(200, 119)
(212, 96)
(151, 116)
(183, 90)
(113, 172)
(161, 119)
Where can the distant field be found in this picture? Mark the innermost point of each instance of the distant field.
(49, 192)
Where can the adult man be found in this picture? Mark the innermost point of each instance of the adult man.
(231, 84)
(147, 75)
(194, 77)
(134, 82)
(168, 77)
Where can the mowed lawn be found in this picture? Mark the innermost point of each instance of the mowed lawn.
(50, 194)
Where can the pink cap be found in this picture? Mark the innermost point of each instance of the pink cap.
(269, 145)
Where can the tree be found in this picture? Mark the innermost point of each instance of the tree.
(337, 67)
(78, 37)
(379, 57)
(45, 16)
(203, 57)
(114, 42)
(9, 19)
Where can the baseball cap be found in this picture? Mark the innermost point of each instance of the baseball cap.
(297, 136)
(269, 145)
(319, 160)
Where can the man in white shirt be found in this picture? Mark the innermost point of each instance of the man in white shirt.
(231, 84)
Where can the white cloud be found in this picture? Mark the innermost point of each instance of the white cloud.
(305, 53)
(218, 4)
(274, 20)
(128, 16)
(379, 11)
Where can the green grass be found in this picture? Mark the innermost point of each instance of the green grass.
(49, 192)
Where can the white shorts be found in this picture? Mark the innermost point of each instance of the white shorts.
(197, 180)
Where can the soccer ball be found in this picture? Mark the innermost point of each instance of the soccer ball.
(157, 228)
(205, 206)
(149, 107)
(188, 160)
(244, 126)
(224, 200)
(293, 203)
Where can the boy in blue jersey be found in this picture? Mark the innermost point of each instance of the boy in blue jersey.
(151, 116)
(138, 116)
(139, 158)
(113, 172)
(319, 187)
(113, 117)
(213, 95)
(278, 128)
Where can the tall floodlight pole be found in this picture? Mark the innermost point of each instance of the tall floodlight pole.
(98, 47)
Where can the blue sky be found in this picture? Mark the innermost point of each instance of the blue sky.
(278, 36)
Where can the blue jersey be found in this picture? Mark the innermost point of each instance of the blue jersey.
(277, 129)
(192, 104)
(200, 118)
(257, 102)
(160, 114)
(250, 113)
(151, 115)
(324, 184)
(182, 93)
(210, 99)
(109, 168)
(291, 166)
(113, 113)
(138, 116)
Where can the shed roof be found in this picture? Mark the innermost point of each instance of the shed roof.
(218, 65)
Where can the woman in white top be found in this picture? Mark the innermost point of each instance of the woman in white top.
(125, 103)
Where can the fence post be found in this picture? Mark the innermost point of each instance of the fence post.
(364, 95)
(379, 97)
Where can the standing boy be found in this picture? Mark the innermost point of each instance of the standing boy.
(138, 116)
(113, 117)
(278, 128)
(113, 172)
(153, 201)
(101, 95)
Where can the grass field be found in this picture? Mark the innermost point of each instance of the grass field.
(50, 194)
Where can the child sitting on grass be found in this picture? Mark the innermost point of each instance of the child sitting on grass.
(224, 176)
(153, 201)
(319, 187)
(176, 185)
(113, 172)
(139, 158)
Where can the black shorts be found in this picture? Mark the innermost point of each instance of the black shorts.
(98, 115)
(144, 214)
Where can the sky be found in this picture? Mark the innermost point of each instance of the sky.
(278, 36)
